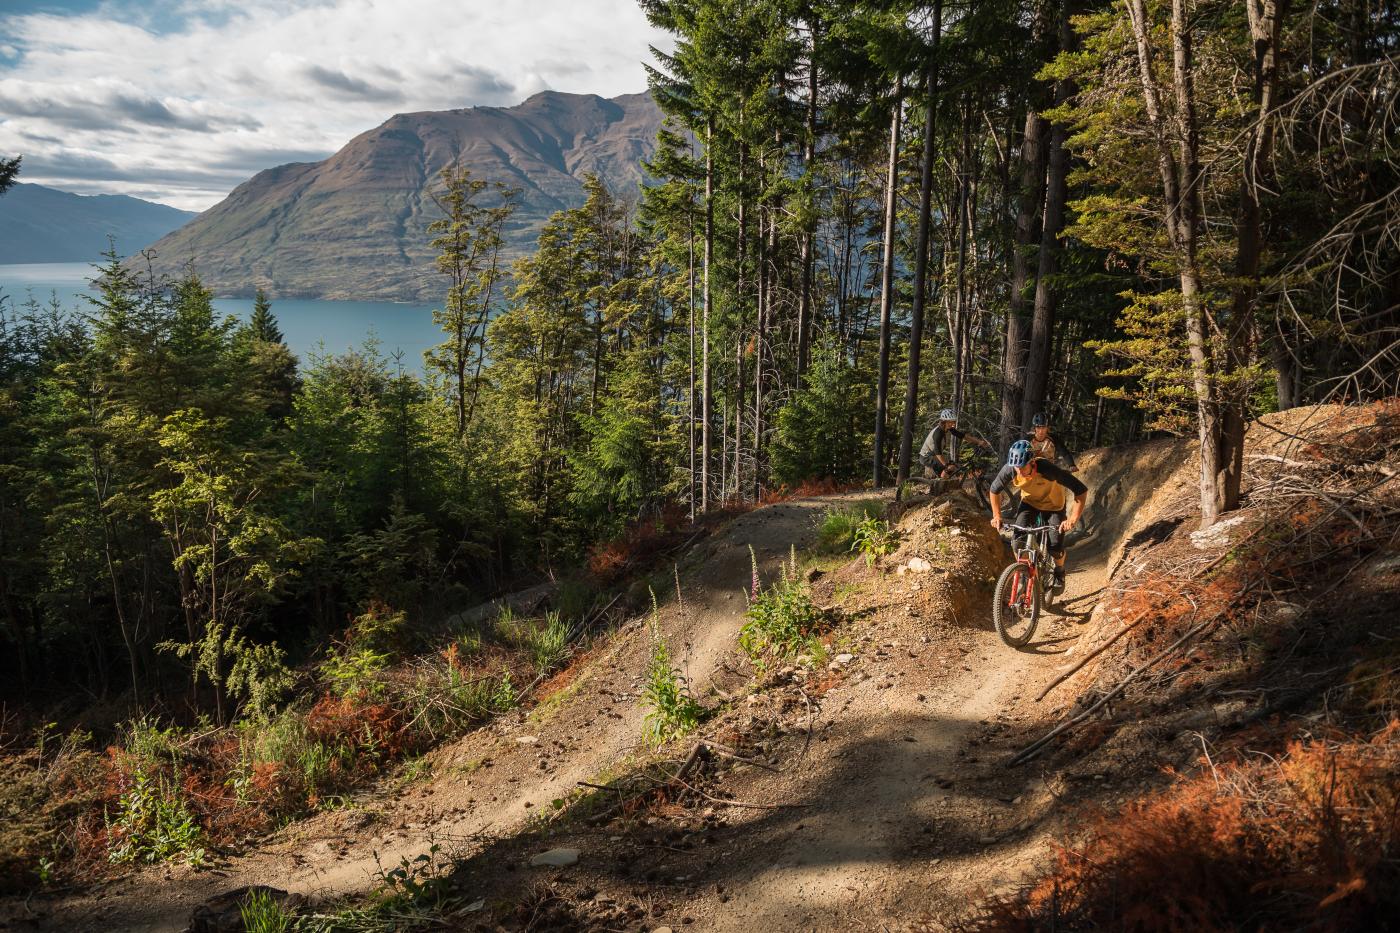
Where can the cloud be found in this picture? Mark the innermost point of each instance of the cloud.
(193, 97)
(112, 105)
(342, 85)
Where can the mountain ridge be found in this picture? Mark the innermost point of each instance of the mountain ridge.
(354, 225)
(43, 224)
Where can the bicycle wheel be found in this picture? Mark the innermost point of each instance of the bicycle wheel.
(982, 487)
(1016, 604)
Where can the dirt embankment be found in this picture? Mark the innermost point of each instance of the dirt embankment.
(867, 789)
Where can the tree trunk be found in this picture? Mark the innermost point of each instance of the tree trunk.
(882, 389)
(1180, 170)
(1265, 18)
(760, 335)
(1037, 369)
(921, 251)
(959, 323)
(1028, 222)
(807, 258)
(739, 416)
(690, 327)
(706, 399)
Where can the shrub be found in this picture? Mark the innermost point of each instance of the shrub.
(836, 531)
(355, 672)
(672, 710)
(445, 700)
(153, 824)
(781, 621)
(874, 538)
(1295, 842)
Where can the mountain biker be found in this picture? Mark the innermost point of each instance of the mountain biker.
(1045, 446)
(939, 448)
(1044, 489)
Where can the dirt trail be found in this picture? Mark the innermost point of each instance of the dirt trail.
(912, 816)
(905, 811)
(488, 784)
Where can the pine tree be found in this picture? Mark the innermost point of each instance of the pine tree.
(9, 168)
(262, 324)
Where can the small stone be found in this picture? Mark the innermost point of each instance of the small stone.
(527, 739)
(557, 858)
(845, 658)
(919, 565)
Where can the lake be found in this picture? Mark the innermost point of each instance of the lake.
(310, 327)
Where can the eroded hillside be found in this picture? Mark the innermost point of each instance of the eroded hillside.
(860, 774)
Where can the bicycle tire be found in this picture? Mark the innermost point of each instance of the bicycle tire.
(982, 487)
(1002, 612)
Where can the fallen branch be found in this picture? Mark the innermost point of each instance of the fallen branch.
(745, 803)
(1091, 655)
(1030, 751)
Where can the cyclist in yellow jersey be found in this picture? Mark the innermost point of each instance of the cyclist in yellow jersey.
(1044, 490)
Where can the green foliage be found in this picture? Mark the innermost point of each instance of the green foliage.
(444, 701)
(9, 168)
(153, 824)
(671, 710)
(355, 672)
(782, 621)
(545, 640)
(373, 642)
(148, 743)
(261, 912)
(836, 532)
(548, 643)
(822, 433)
(874, 539)
(262, 325)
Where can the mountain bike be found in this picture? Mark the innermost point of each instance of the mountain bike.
(1021, 589)
(971, 472)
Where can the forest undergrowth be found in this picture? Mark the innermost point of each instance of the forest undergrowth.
(1290, 816)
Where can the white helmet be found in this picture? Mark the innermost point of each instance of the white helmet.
(948, 414)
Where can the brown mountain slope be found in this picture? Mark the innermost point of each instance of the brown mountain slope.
(355, 225)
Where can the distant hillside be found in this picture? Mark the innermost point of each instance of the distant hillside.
(39, 224)
(355, 225)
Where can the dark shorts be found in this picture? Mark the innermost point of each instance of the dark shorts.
(1030, 517)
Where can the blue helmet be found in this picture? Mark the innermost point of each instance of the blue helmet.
(1039, 420)
(1019, 454)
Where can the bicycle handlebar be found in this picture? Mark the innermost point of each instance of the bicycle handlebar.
(1027, 529)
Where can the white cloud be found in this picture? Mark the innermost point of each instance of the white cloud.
(187, 99)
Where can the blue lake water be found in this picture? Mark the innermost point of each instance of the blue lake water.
(310, 327)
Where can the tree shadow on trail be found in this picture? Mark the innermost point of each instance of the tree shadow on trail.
(1047, 646)
(827, 820)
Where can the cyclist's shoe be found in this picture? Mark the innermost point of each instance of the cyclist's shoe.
(1057, 582)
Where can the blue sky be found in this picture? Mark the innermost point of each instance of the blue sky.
(179, 101)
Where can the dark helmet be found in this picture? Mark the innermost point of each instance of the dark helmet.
(1038, 420)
